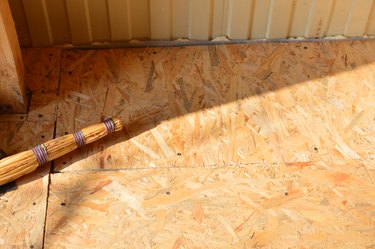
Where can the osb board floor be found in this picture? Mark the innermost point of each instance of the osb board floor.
(221, 105)
(270, 206)
(236, 146)
(23, 202)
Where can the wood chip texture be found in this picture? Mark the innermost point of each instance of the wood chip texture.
(264, 145)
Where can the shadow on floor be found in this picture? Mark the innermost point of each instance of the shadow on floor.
(146, 86)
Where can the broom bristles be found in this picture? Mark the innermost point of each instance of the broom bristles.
(20, 164)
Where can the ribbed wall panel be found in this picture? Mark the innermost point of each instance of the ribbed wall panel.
(82, 22)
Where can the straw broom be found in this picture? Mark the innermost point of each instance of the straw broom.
(20, 164)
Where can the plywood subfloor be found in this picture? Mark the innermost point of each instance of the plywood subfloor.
(234, 146)
(272, 206)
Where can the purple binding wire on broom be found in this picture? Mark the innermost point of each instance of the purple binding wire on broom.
(41, 154)
(79, 138)
(110, 125)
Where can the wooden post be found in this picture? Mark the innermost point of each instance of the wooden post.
(13, 98)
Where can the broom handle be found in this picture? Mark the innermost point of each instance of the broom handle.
(20, 164)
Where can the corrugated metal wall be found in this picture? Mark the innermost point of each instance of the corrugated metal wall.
(52, 22)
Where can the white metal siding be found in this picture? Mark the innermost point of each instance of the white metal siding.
(52, 22)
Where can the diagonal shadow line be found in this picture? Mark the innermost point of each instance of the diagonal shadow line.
(150, 110)
(178, 85)
(266, 78)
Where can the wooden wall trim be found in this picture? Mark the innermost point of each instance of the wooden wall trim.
(12, 86)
